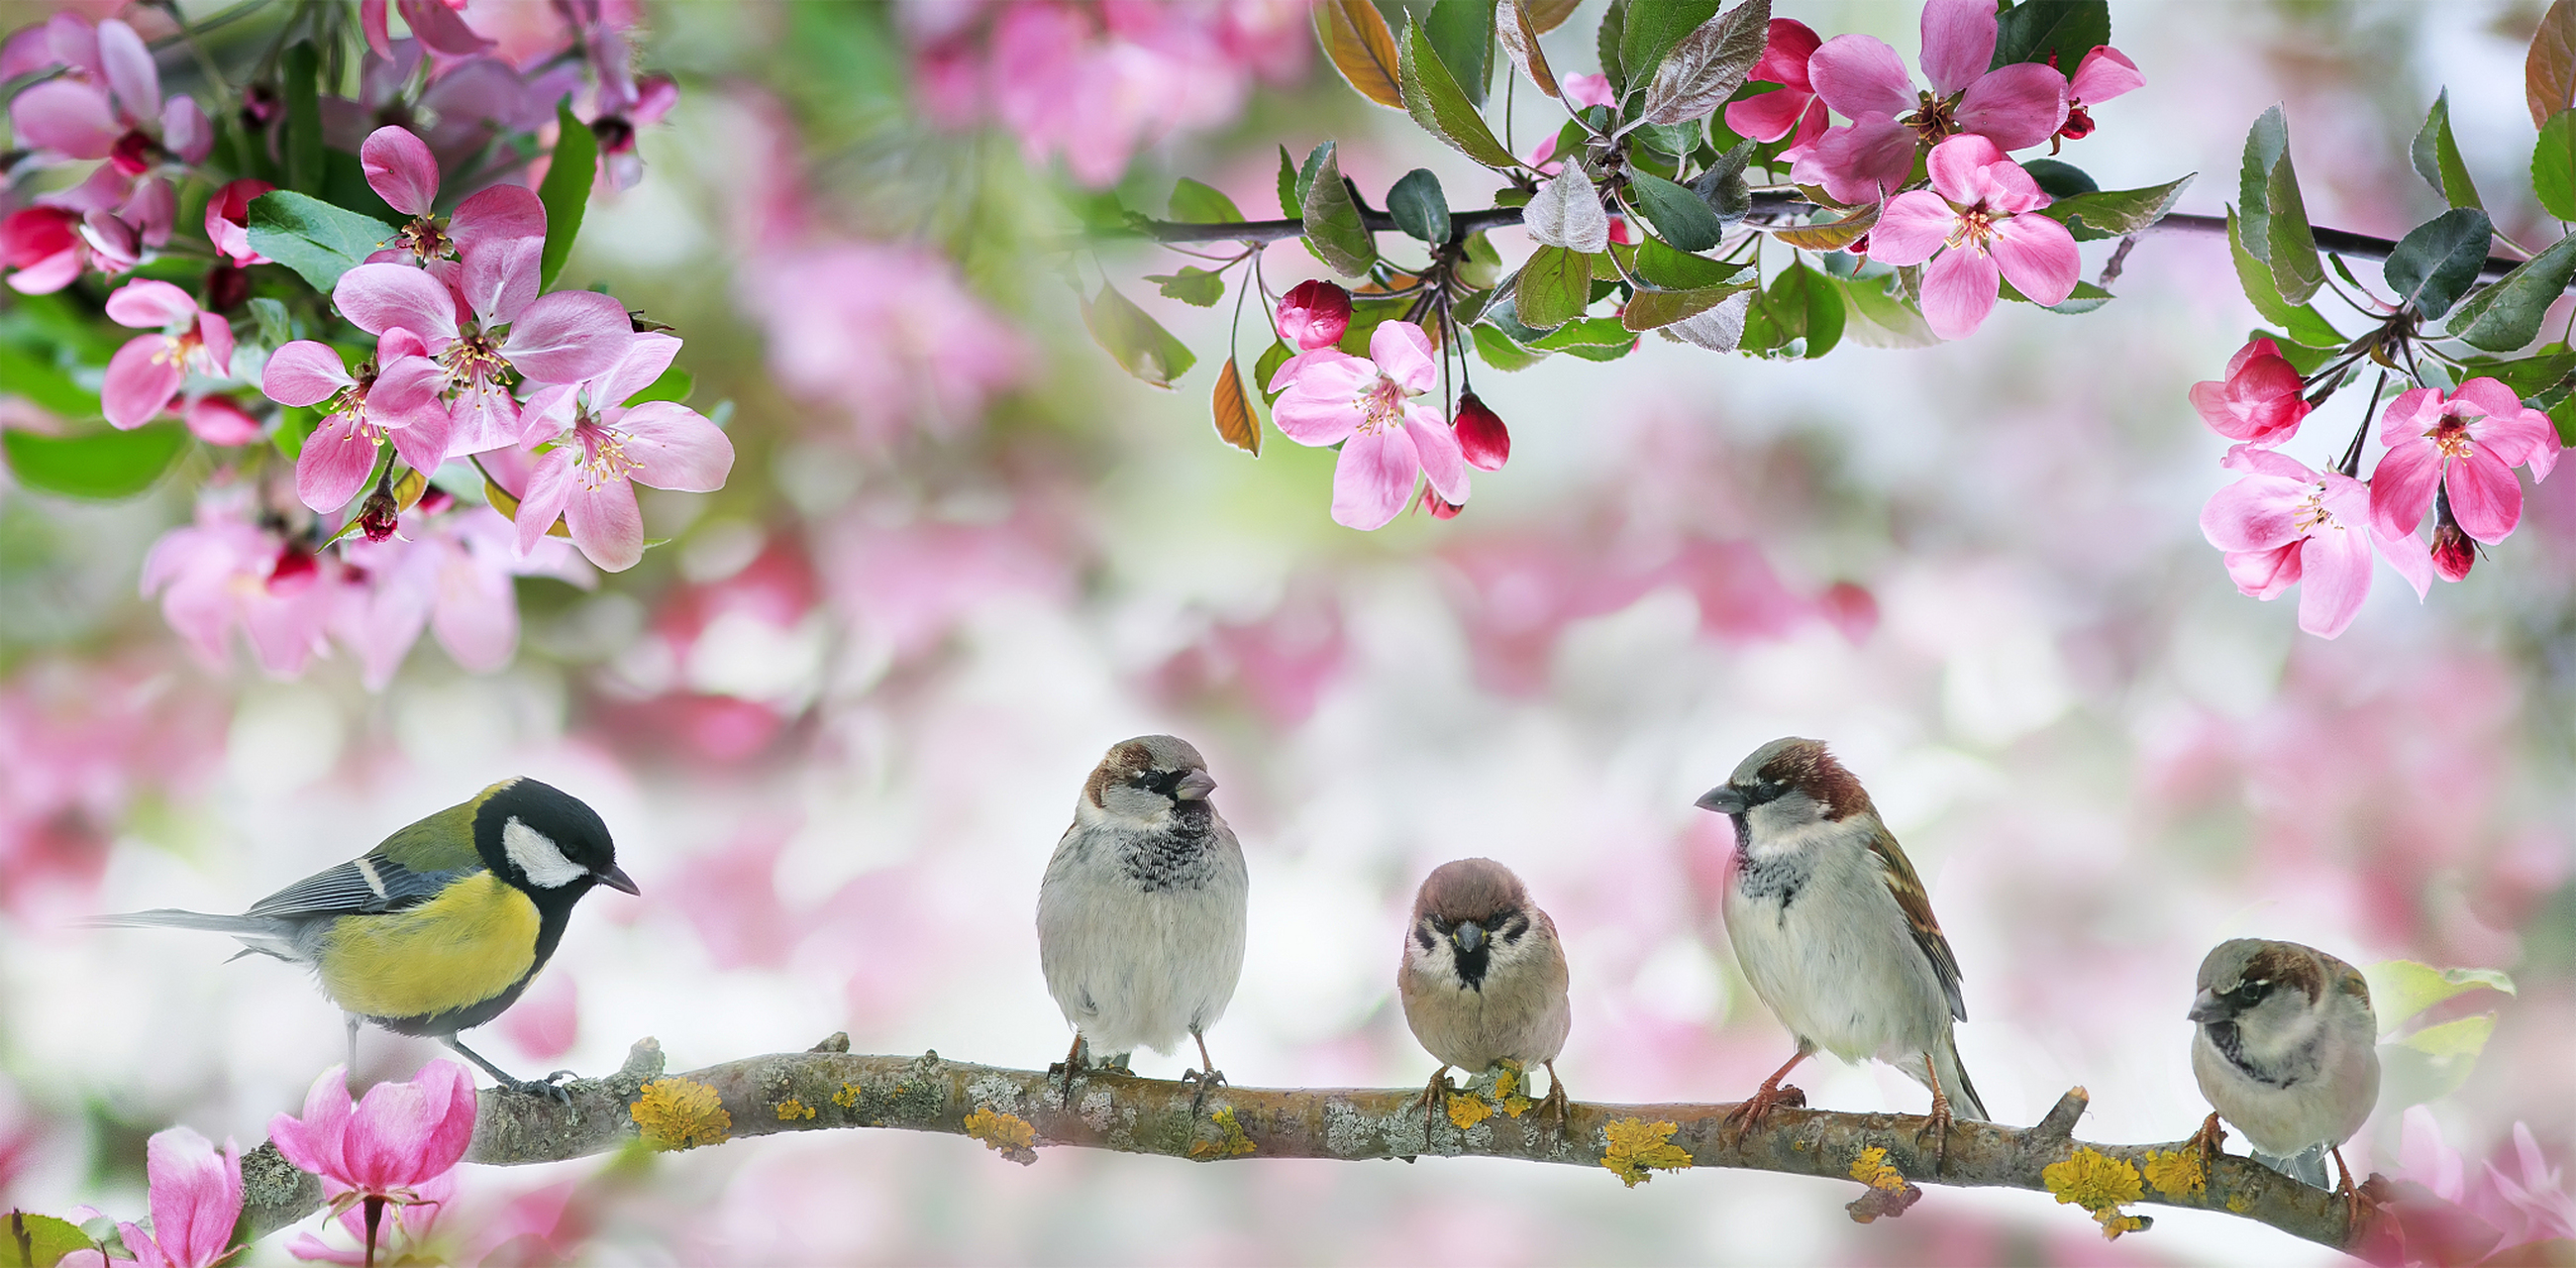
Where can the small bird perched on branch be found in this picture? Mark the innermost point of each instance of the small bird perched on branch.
(1483, 978)
(440, 928)
(2287, 1050)
(1834, 931)
(1140, 917)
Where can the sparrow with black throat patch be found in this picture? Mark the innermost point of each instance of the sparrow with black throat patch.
(1834, 931)
(1141, 914)
(2286, 1047)
(1483, 978)
(440, 928)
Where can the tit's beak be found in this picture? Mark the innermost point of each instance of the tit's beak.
(615, 878)
(1470, 937)
(1723, 799)
(1194, 786)
(2207, 1007)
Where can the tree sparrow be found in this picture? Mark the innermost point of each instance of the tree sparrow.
(1140, 918)
(1834, 930)
(1483, 977)
(2287, 1050)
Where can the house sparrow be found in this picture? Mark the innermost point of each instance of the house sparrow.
(1140, 918)
(1834, 931)
(2287, 1050)
(1483, 977)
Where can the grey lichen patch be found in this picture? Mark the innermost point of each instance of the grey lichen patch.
(274, 1193)
(994, 1090)
(1100, 1109)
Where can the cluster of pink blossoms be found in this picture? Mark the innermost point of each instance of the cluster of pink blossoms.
(105, 103)
(2447, 454)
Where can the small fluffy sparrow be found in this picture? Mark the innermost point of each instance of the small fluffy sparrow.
(1140, 918)
(1483, 977)
(2287, 1050)
(1834, 931)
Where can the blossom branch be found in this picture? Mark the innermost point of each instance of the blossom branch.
(1015, 1110)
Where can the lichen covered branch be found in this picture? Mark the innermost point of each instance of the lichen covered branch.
(1017, 1112)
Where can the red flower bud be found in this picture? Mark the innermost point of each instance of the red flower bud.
(1314, 315)
(2453, 552)
(1481, 435)
(1440, 508)
(227, 287)
(134, 153)
(378, 516)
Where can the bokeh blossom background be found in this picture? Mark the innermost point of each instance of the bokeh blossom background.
(837, 721)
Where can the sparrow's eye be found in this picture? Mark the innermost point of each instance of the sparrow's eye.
(1443, 923)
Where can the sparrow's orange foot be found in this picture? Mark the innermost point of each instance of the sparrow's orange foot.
(1435, 1098)
(2359, 1207)
(2211, 1139)
(1556, 1099)
(1749, 1114)
(1938, 1124)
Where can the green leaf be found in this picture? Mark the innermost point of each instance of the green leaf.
(2437, 157)
(39, 1241)
(1138, 342)
(2399, 989)
(1679, 270)
(275, 329)
(1679, 216)
(1882, 320)
(2034, 29)
(1271, 359)
(2549, 69)
(2564, 414)
(317, 240)
(2057, 179)
(2505, 315)
(2525, 376)
(1462, 34)
(2553, 165)
(2439, 259)
(1332, 219)
(2083, 299)
(2115, 213)
(1237, 423)
(1824, 304)
(294, 423)
(1419, 208)
(2304, 359)
(1707, 65)
(1651, 29)
(1192, 285)
(1722, 186)
(302, 66)
(100, 466)
(674, 386)
(1780, 315)
(47, 386)
(1292, 190)
(1498, 350)
(566, 191)
(1555, 287)
(2265, 142)
(1356, 40)
(1194, 203)
(2300, 320)
(1654, 310)
(1606, 42)
(1437, 103)
(1586, 332)
(2466, 1037)
(1832, 235)
(2292, 253)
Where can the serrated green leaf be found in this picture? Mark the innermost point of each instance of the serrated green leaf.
(1832, 235)
(1706, 65)
(1650, 29)
(1555, 287)
(317, 240)
(1332, 219)
(2115, 213)
(2545, 369)
(2564, 415)
(1139, 343)
(566, 191)
(674, 386)
(1418, 206)
(28, 1240)
(1586, 332)
(2034, 29)
(1273, 357)
(1496, 349)
(1679, 215)
(1462, 34)
(2265, 143)
(2438, 260)
(1679, 270)
(301, 67)
(2296, 269)
(41, 383)
(1367, 314)
(2399, 989)
(1799, 304)
(2059, 179)
(1654, 310)
(2437, 157)
(101, 466)
(1292, 195)
(1356, 40)
(2553, 165)
(2302, 322)
(1192, 285)
(1436, 102)
(1879, 319)
(2506, 314)
(1607, 39)
(1194, 203)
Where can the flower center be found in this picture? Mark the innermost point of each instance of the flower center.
(1975, 228)
(1381, 405)
(604, 459)
(2312, 513)
(424, 239)
(1934, 121)
(2451, 436)
(473, 360)
(176, 349)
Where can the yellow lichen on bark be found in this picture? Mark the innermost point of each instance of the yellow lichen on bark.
(2100, 1184)
(2177, 1174)
(1507, 1091)
(847, 1097)
(681, 1114)
(791, 1109)
(1873, 1169)
(1637, 1148)
(1233, 1144)
(1466, 1109)
(1007, 1134)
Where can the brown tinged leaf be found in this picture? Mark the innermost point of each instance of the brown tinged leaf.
(1434, 99)
(1236, 424)
(1708, 65)
(1547, 15)
(1360, 45)
(1833, 236)
(2549, 71)
(1518, 34)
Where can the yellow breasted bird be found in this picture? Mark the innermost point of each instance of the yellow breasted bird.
(441, 927)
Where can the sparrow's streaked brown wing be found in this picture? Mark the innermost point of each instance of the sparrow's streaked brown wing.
(1917, 906)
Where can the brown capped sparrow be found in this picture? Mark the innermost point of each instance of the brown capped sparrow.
(2287, 1050)
(1483, 978)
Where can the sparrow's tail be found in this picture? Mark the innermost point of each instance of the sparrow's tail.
(1964, 1101)
(2308, 1166)
(258, 933)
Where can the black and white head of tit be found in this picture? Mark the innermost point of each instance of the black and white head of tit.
(547, 842)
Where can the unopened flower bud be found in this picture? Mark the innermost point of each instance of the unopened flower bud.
(1440, 508)
(379, 514)
(1314, 315)
(1481, 435)
(2453, 552)
(227, 287)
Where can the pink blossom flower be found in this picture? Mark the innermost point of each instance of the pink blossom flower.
(395, 396)
(602, 448)
(225, 572)
(102, 107)
(219, 420)
(1795, 107)
(402, 1135)
(455, 577)
(1970, 225)
(196, 1200)
(1865, 81)
(2469, 444)
(1583, 90)
(401, 169)
(228, 220)
(148, 370)
(2258, 402)
(2286, 525)
(1314, 314)
(1366, 405)
(2537, 1200)
(2104, 73)
(415, 1220)
(44, 247)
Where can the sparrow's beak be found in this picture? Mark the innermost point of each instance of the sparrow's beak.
(615, 878)
(1470, 937)
(2207, 1007)
(1194, 786)
(1723, 799)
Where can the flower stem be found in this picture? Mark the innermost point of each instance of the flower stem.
(2351, 462)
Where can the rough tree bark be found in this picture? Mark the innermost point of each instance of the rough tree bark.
(1015, 1110)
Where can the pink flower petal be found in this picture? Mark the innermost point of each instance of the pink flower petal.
(2262, 461)
(140, 381)
(422, 440)
(568, 336)
(129, 70)
(2413, 413)
(1374, 478)
(1860, 75)
(304, 373)
(216, 420)
(185, 129)
(2401, 488)
(66, 116)
(1787, 44)
(2485, 497)
(1958, 41)
(2334, 578)
(1347, 379)
(2404, 552)
(1403, 353)
(503, 211)
(675, 447)
(2518, 435)
(379, 297)
(400, 169)
(486, 417)
(2259, 512)
(2265, 574)
(1959, 289)
(334, 464)
(441, 29)
(2018, 105)
(312, 1142)
(2103, 74)
(548, 489)
(150, 305)
(499, 278)
(1583, 90)
(196, 1193)
(645, 361)
(1860, 162)
(1915, 224)
(379, 32)
(1957, 168)
(2038, 256)
(1436, 446)
(1768, 117)
(605, 522)
(215, 346)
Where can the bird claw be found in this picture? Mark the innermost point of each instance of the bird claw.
(1207, 1081)
(1749, 1113)
(1938, 1123)
(1434, 1099)
(550, 1087)
(2211, 1139)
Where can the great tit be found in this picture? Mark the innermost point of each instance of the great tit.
(441, 927)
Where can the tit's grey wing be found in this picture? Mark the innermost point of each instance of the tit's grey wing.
(370, 884)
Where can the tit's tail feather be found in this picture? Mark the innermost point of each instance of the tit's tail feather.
(260, 934)
(1964, 1101)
